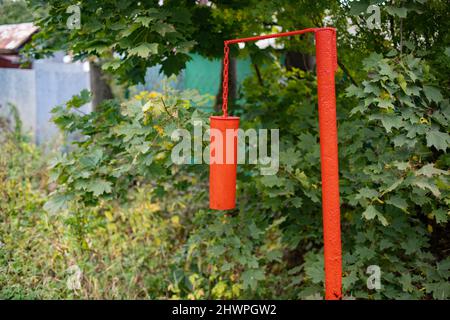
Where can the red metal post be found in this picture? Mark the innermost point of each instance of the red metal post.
(326, 57)
(326, 67)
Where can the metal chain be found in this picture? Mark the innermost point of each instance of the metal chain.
(226, 51)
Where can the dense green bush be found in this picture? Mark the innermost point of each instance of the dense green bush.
(121, 221)
(394, 186)
(393, 137)
(27, 244)
(153, 241)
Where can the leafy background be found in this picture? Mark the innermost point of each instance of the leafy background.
(112, 217)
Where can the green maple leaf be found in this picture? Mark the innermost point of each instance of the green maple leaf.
(388, 122)
(144, 50)
(79, 100)
(406, 282)
(401, 165)
(411, 245)
(371, 88)
(399, 12)
(385, 103)
(163, 28)
(424, 184)
(272, 181)
(372, 61)
(98, 187)
(367, 193)
(441, 215)
(145, 21)
(387, 70)
(274, 255)
(357, 8)
(429, 170)
(440, 290)
(432, 94)
(354, 91)
(113, 65)
(447, 51)
(413, 91)
(349, 280)
(314, 271)
(371, 212)
(443, 267)
(297, 202)
(290, 158)
(306, 141)
(398, 202)
(174, 63)
(251, 277)
(384, 243)
(92, 159)
(57, 203)
(186, 46)
(360, 108)
(439, 140)
(402, 82)
(393, 186)
(125, 33)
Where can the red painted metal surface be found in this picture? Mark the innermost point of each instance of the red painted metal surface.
(274, 35)
(223, 162)
(326, 57)
(326, 67)
(226, 51)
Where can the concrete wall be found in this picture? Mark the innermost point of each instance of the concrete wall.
(56, 83)
(18, 87)
(36, 92)
(51, 82)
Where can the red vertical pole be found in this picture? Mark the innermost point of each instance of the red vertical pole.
(326, 57)
(326, 67)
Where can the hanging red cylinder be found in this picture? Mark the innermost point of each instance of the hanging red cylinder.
(223, 162)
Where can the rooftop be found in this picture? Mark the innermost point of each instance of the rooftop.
(14, 36)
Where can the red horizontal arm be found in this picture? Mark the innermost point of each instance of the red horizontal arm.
(275, 35)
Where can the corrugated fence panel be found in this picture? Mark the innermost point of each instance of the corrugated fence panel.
(17, 86)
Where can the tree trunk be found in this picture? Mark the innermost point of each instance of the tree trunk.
(100, 88)
(299, 60)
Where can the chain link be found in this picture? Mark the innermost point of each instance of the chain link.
(226, 51)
